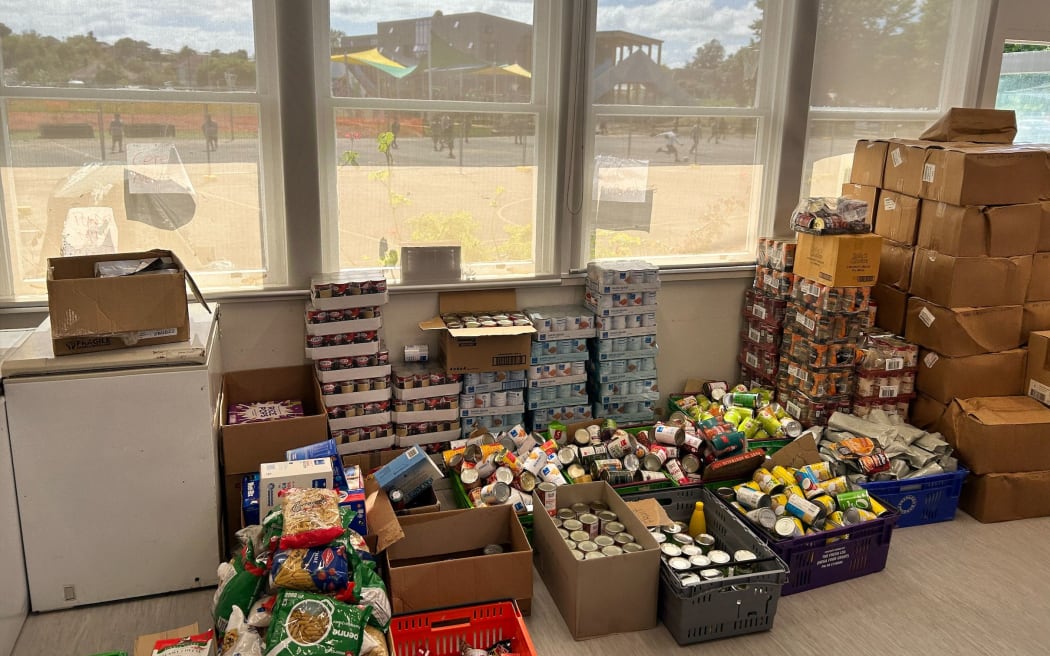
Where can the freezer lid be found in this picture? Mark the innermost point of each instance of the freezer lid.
(35, 356)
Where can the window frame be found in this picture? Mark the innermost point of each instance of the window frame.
(265, 98)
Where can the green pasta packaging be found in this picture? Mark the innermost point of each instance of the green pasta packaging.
(308, 624)
(240, 582)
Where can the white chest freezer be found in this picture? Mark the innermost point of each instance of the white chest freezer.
(116, 466)
(14, 602)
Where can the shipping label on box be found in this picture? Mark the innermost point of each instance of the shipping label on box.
(963, 331)
(277, 476)
(1037, 376)
(897, 217)
(905, 159)
(979, 174)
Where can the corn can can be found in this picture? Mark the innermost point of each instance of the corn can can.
(783, 475)
(835, 486)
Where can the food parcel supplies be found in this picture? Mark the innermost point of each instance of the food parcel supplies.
(412, 472)
(277, 476)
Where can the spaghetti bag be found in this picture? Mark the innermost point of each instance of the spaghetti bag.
(240, 589)
(317, 569)
(308, 624)
(311, 517)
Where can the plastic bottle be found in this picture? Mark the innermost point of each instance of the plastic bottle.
(698, 522)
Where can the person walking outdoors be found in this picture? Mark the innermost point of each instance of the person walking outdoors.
(211, 133)
(671, 144)
(395, 129)
(694, 134)
(116, 134)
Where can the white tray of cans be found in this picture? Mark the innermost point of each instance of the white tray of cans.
(351, 398)
(352, 373)
(342, 351)
(492, 411)
(417, 416)
(499, 386)
(359, 421)
(341, 327)
(557, 380)
(626, 332)
(349, 302)
(620, 311)
(641, 374)
(543, 404)
(363, 446)
(403, 441)
(555, 335)
(558, 358)
(613, 356)
(596, 287)
(416, 393)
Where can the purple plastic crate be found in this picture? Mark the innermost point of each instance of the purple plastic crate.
(924, 500)
(832, 556)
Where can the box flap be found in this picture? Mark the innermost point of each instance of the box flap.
(144, 643)
(382, 521)
(649, 512)
(479, 300)
(434, 323)
(973, 124)
(799, 453)
(1005, 410)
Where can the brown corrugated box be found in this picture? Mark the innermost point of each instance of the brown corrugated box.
(1039, 284)
(927, 413)
(1044, 231)
(606, 595)
(439, 561)
(869, 195)
(999, 434)
(904, 161)
(1006, 497)
(471, 350)
(989, 374)
(892, 307)
(839, 260)
(895, 264)
(973, 231)
(997, 126)
(970, 281)
(1037, 375)
(963, 331)
(869, 160)
(978, 174)
(897, 217)
(144, 643)
(1036, 317)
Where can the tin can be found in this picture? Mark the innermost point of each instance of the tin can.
(495, 493)
(742, 399)
(820, 471)
(766, 481)
(778, 501)
(617, 476)
(783, 475)
(785, 527)
(527, 481)
(807, 511)
(566, 456)
(548, 497)
(692, 443)
(551, 474)
(623, 539)
(580, 509)
(579, 536)
(650, 476)
(603, 541)
(566, 515)
(749, 426)
(690, 463)
(859, 499)
(487, 466)
(727, 443)
(667, 434)
(827, 502)
(752, 499)
(654, 461)
(535, 461)
(577, 473)
(591, 525)
(605, 517)
(675, 472)
(620, 445)
(613, 529)
(502, 475)
(469, 478)
(835, 486)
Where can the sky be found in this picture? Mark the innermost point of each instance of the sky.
(205, 25)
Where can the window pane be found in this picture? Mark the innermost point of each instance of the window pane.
(201, 44)
(677, 53)
(452, 53)
(1024, 86)
(462, 178)
(674, 190)
(73, 187)
(830, 144)
(880, 54)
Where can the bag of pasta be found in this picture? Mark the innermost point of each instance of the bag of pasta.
(370, 591)
(317, 569)
(308, 624)
(241, 581)
(311, 517)
(240, 639)
(261, 612)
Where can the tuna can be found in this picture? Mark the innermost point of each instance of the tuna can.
(492, 549)
(495, 493)
(591, 525)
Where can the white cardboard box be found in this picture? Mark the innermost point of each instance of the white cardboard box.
(277, 476)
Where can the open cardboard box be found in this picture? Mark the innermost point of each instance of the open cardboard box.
(472, 350)
(144, 643)
(438, 562)
(91, 314)
(598, 597)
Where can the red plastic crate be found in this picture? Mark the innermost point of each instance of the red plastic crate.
(440, 631)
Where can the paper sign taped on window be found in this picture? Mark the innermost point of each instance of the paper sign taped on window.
(153, 167)
(619, 180)
(89, 231)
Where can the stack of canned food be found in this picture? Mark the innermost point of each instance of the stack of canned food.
(591, 531)
(426, 405)
(886, 372)
(830, 216)
(622, 378)
(498, 319)
(557, 371)
(693, 560)
(787, 503)
(492, 400)
(760, 339)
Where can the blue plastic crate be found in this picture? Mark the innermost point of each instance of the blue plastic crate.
(925, 500)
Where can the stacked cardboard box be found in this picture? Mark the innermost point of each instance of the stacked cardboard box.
(343, 320)
(622, 295)
(557, 370)
(764, 313)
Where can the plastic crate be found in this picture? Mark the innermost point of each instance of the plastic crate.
(925, 500)
(746, 603)
(833, 556)
(438, 632)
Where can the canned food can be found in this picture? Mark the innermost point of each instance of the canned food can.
(631, 463)
(670, 550)
(577, 473)
(614, 550)
(675, 472)
(527, 481)
(617, 476)
(690, 463)
(495, 493)
(654, 460)
(632, 321)
(742, 399)
(650, 476)
(835, 486)
(566, 515)
(620, 445)
(578, 368)
(786, 527)
(752, 499)
(502, 475)
(859, 499)
(551, 474)
(820, 471)
(579, 536)
(469, 478)
(604, 541)
(764, 517)
(805, 510)
(535, 461)
(766, 482)
(783, 475)
(668, 434)
(498, 399)
(591, 525)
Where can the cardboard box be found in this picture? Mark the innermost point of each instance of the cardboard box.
(999, 434)
(91, 314)
(895, 264)
(606, 595)
(892, 308)
(1037, 376)
(904, 165)
(1044, 231)
(1036, 318)
(246, 446)
(1039, 283)
(439, 561)
(963, 331)
(277, 476)
(472, 350)
(839, 260)
(869, 195)
(144, 643)
(412, 472)
(988, 374)
(897, 217)
(1006, 497)
(975, 231)
(869, 161)
(978, 174)
(958, 282)
(976, 125)
(927, 413)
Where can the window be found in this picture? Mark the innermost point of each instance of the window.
(1024, 86)
(467, 160)
(881, 70)
(146, 129)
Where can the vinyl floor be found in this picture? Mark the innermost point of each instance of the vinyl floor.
(958, 587)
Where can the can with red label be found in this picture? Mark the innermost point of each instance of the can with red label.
(326, 364)
(548, 497)
(675, 472)
(315, 341)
